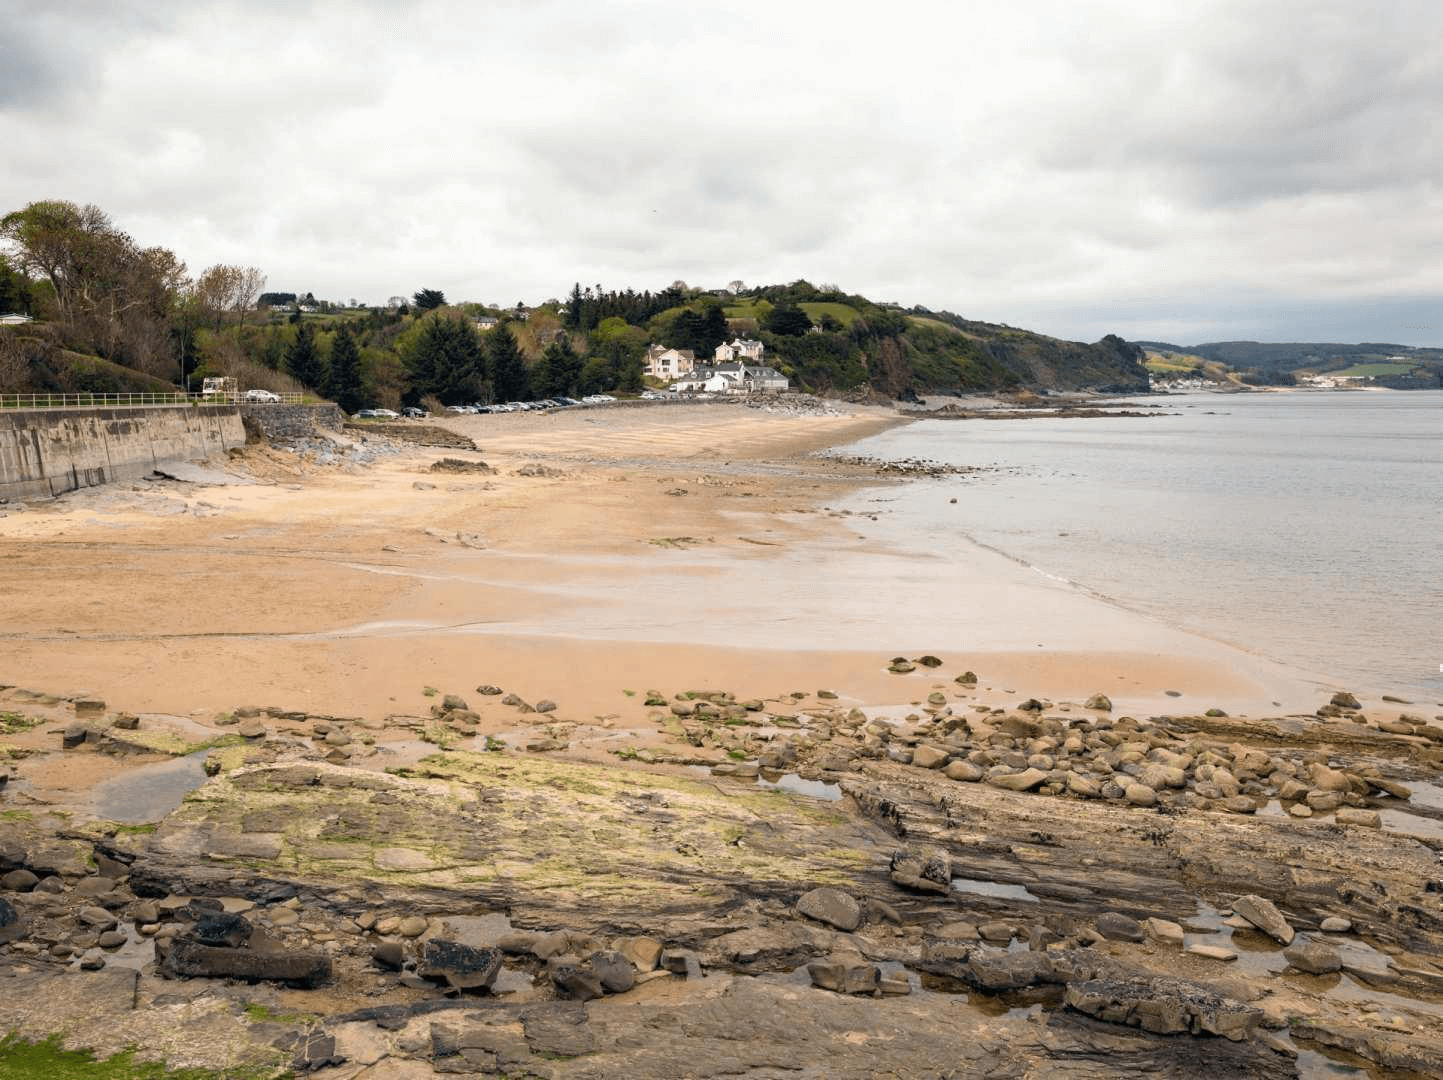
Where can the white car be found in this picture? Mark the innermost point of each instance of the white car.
(261, 395)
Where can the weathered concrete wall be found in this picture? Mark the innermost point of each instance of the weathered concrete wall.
(292, 421)
(44, 452)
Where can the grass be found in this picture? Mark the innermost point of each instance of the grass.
(843, 313)
(22, 1060)
(747, 309)
(13, 722)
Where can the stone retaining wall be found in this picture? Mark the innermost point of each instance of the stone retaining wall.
(46, 452)
(291, 421)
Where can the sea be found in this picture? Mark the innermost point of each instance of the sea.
(1304, 526)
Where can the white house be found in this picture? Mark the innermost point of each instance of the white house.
(664, 363)
(10, 318)
(733, 378)
(486, 322)
(743, 347)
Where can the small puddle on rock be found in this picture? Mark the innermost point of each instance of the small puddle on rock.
(147, 794)
(997, 889)
(817, 789)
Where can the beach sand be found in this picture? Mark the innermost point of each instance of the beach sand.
(675, 547)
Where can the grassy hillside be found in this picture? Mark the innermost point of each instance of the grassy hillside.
(31, 364)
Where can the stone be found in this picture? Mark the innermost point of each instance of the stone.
(221, 929)
(11, 926)
(1083, 786)
(614, 970)
(964, 771)
(488, 690)
(1367, 819)
(19, 880)
(126, 722)
(681, 962)
(1211, 952)
(97, 918)
(1140, 795)
(1164, 1006)
(922, 869)
(389, 954)
(929, 757)
(462, 967)
(967, 678)
(1344, 700)
(997, 932)
(90, 707)
(845, 973)
(1116, 926)
(643, 952)
(1025, 780)
(831, 906)
(1336, 924)
(574, 979)
(93, 960)
(1100, 702)
(1323, 801)
(73, 736)
(1261, 913)
(293, 966)
(1313, 957)
(252, 729)
(413, 926)
(1163, 930)
(1326, 779)
(453, 701)
(112, 939)
(544, 706)
(901, 666)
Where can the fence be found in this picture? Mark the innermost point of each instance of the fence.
(104, 401)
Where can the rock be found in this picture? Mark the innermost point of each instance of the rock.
(1164, 1006)
(1335, 924)
(929, 757)
(462, 967)
(74, 735)
(901, 666)
(845, 973)
(1324, 801)
(1211, 952)
(489, 691)
(294, 966)
(413, 926)
(922, 869)
(831, 906)
(1083, 786)
(221, 930)
(1101, 702)
(681, 962)
(1344, 700)
(93, 960)
(126, 722)
(1115, 926)
(19, 880)
(614, 970)
(453, 701)
(89, 707)
(928, 661)
(1164, 930)
(1313, 957)
(112, 939)
(643, 952)
(389, 954)
(545, 706)
(997, 932)
(1025, 780)
(1261, 913)
(574, 979)
(967, 678)
(252, 729)
(11, 926)
(964, 771)
(1367, 819)
(1326, 779)
(97, 918)
(1140, 795)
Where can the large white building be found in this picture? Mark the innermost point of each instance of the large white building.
(733, 378)
(663, 363)
(739, 347)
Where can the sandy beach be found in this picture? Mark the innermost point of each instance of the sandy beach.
(701, 546)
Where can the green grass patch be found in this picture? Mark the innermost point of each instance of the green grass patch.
(12, 723)
(747, 309)
(22, 1060)
(843, 313)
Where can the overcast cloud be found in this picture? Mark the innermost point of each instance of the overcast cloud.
(1191, 172)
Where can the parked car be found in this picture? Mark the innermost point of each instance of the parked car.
(261, 395)
(415, 413)
(378, 414)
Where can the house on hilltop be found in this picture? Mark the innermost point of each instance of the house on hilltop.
(663, 363)
(740, 347)
(11, 318)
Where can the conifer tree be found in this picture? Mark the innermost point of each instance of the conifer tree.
(303, 360)
(506, 366)
(344, 385)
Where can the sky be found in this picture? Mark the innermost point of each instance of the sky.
(1188, 172)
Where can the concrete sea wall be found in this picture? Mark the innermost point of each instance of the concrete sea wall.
(45, 452)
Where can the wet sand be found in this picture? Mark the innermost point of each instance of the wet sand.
(701, 547)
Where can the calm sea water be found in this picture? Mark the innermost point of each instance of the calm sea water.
(1304, 526)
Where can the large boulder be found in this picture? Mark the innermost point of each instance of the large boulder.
(831, 906)
(845, 973)
(190, 959)
(1261, 913)
(1313, 957)
(922, 870)
(1164, 1006)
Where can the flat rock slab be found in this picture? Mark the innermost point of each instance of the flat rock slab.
(195, 960)
(397, 858)
(198, 474)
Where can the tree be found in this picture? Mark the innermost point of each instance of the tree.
(303, 361)
(344, 385)
(429, 299)
(506, 366)
(735, 287)
(787, 319)
(558, 371)
(70, 246)
(445, 358)
(15, 292)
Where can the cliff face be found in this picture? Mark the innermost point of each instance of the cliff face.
(1111, 365)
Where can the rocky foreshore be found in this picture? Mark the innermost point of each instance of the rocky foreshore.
(704, 884)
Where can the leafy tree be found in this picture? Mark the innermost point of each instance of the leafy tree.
(787, 320)
(15, 292)
(506, 365)
(429, 299)
(276, 299)
(304, 361)
(344, 386)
